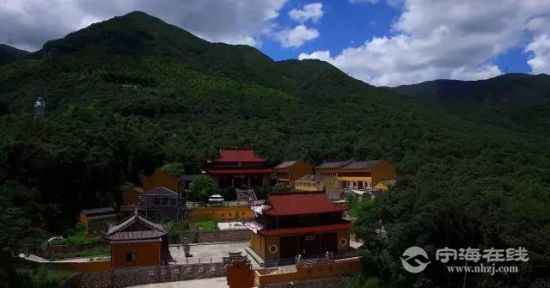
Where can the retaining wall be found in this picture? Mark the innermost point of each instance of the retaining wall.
(144, 275)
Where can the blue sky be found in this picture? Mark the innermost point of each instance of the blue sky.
(382, 42)
(343, 24)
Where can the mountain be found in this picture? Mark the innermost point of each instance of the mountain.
(9, 54)
(509, 100)
(132, 93)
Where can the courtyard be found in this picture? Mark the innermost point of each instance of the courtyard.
(207, 252)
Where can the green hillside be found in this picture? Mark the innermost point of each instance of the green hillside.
(9, 54)
(517, 101)
(127, 95)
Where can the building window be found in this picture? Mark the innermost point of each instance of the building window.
(130, 257)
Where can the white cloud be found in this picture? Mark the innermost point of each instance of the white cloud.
(29, 23)
(312, 11)
(392, 3)
(446, 39)
(540, 47)
(321, 55)
(296, 37)
(363, 1)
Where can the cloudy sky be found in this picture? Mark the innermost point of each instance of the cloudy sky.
(382, 42)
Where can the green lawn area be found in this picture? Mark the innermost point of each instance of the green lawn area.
(206, 224)
(95, 245)
(76, 235)
(99, 250)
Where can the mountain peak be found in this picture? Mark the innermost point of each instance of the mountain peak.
(9, 54)
(132, 34)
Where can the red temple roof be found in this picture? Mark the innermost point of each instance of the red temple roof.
(259, 171)
(306, 230)
(238, 155)
(302, 203)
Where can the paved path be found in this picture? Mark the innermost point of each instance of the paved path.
(206, 253)
(220, 282)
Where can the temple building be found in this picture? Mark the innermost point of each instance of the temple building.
(97, 220)
(319, 183)
(288, 171)
(290, 224)
(330, 168)
(138, 241)
(240, 168)
(365, 175)
(161, 203)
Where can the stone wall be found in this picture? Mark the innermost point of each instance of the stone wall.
(335, 282)
(145, 275)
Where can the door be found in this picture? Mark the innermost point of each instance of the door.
(310, 245)
(328, 242)
(289, 247)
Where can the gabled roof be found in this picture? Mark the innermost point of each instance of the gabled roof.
(313, 177)
(238, 155)
(122, 230)
(361, 164)
(161, 191)
(98, 211)
(258, 171)
(329, 165)
(285, 164)
(296, 203)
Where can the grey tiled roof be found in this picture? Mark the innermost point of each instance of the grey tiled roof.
(136, 235)
(336, 164)
(114, 231)
(96, 211)
(361, 164)
(161, 191)
(285, 164)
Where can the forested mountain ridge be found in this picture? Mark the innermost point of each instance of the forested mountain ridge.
(126, 95)
(9, 54)
(518, 101)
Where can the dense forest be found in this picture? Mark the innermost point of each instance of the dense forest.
(9, 54)
(128, 95)
(513, 101)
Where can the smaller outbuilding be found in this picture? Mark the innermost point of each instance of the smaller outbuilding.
(97, 220)
(138, 241)
(161, 203)
(288, 172)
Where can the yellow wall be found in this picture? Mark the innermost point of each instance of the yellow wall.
(257, 243)
(315, 186)
(223, 213)
(383, 171)
(160, 179)
(342, 235)
(299, 169)
(382, 186)
(350, 266)
(271, 240)
(91, 266)
(330, 184)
